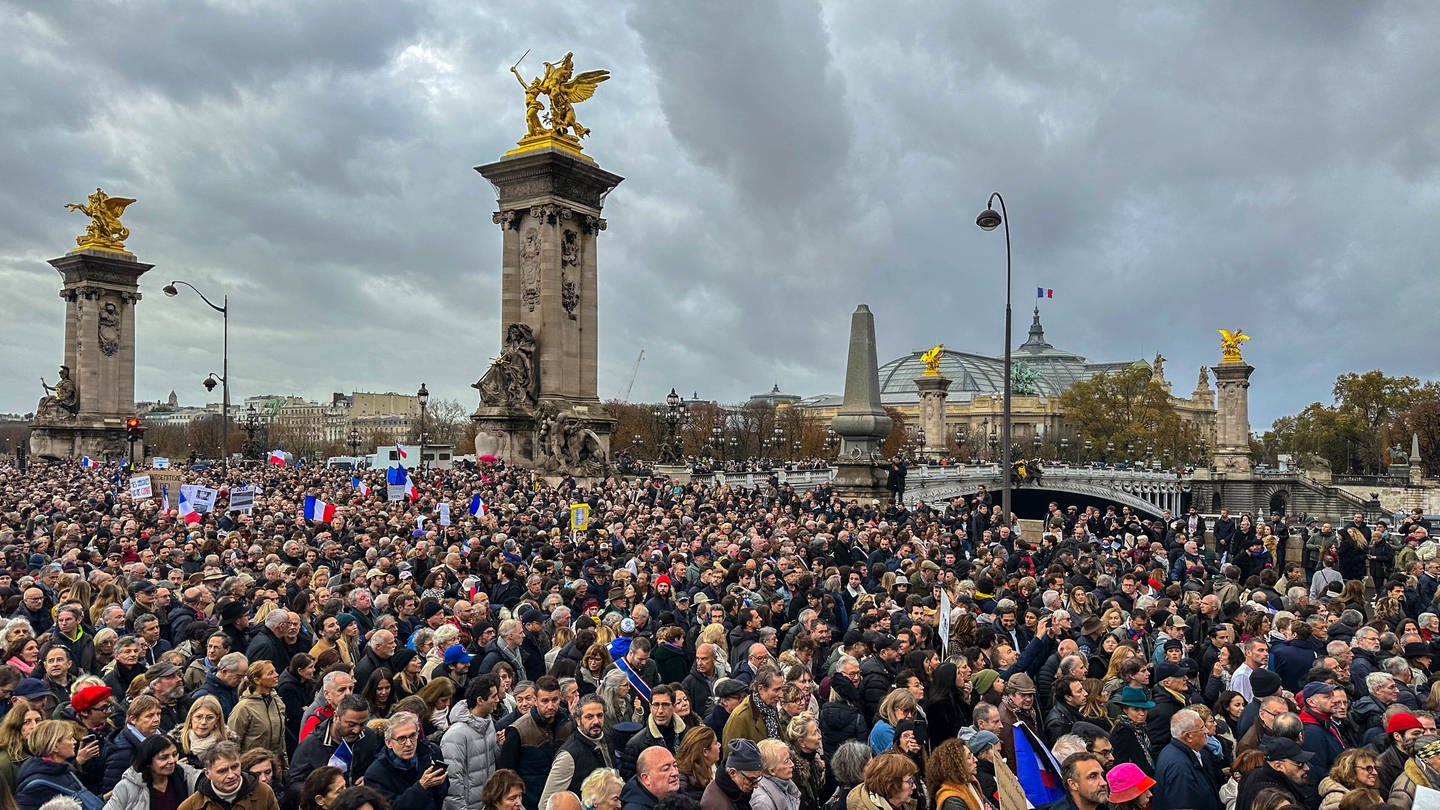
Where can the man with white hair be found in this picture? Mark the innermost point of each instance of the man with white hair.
(270, 644)
(1366, 649)
(410, 772)
(1182, 771)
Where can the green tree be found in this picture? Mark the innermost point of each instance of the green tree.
(1370, 411)
(1128, 408)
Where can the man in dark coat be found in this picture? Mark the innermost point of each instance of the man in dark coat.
(1292, 659)
(348, 725)
(1321, 738)
(377, 656)
(877, 674)
(1069, 697)
(1172, 693)
(531, 742)
(1286, 767)
(409, 772)
(1180, 769)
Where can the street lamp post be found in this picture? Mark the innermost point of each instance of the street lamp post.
(423, 396)
(672, 417)
(354, 442)
(224, 309)
(251, 425)
(989, 220)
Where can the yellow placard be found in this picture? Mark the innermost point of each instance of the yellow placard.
(579, 516)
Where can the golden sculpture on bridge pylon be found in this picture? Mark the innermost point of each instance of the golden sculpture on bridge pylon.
(104, 231)
(1230, 345)
(563, 89)
(931, 359)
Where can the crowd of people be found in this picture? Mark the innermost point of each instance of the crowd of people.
(697, 645)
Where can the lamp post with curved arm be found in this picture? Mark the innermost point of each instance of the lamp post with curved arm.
(989, 220)
(224, 310)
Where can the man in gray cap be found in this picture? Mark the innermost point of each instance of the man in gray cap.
(733, 785)
(729, 693)
(164, 682)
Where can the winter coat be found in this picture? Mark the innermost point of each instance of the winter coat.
(296, 695)
(1331, 792)
(317, 749)
(577, 758)
(1322, 739)
(1187, 783)
(722, 794)
(1403, 793)
(118, 753)
(529, 749)
(253, 795)
(876, 681)
(775, 794)
(131, 792)
(227, 695)
(648, 735)
(840, 722)
(1263, 777)
(1132, 745)
(42, 780)
(745, 723)
(634, 796)
(812, 777)
(700, 690)
(470, 749)
(398, 780)
(671, 664)
(258, 721)
(1292, 659)
(266, 646)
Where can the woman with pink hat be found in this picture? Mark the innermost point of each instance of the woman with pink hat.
(1129, 787)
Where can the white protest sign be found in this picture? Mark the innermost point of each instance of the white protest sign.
(444, 510)
(242, 499)
(395, 492)
(204, 499)
(140, 487)
(160, 463)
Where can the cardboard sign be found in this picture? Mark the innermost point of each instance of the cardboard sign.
(242, 499)
(140, 487)
(169, 478)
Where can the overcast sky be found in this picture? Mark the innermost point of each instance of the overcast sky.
(1169, 168)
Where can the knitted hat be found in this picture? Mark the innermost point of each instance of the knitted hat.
(1264, 683)
(983, 680)
(1402, 721)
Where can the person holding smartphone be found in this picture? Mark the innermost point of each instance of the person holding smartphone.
(409, 773)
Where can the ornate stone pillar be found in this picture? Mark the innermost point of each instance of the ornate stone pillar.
(934, 390)
(1232, 418)
(100, 289)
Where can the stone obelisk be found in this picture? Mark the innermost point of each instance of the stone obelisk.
(540, 405)
(100, 287)
(861, 422)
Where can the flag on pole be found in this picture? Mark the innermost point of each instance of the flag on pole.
(410, 489)
(395, 476)
(477, 506)
(1044, 292)
(165, 497)
(1036, 768)
(317, 510)
(277, 456)
(360, 485)
(88, 463)
(398, 449)
(186, 511)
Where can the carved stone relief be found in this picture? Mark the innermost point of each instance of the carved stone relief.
(109, 329)
(530, 268)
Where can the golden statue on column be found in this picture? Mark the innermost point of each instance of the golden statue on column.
(563, 89)
(1230, 345)
(104, 231)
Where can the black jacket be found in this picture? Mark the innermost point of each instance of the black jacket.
(316, 749)
(876, 681)
(399, 781)
(841, 719)
(1061, 718)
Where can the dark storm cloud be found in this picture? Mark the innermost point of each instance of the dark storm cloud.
(1169, 169)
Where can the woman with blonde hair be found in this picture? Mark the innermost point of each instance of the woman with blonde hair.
(14, 731)
(104, 643)
(895, 708)
(203, 728)
(1355, 769)
(258, 719)
(1112, 678)
(775, 790)
(601, 790)
(438, 695)
(811, 775)
(696, 758)
(50, 771)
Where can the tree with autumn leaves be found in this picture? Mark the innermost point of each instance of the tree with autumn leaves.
(1129, 409)
(1370, 413)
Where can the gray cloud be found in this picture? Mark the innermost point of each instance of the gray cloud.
(1169, 169)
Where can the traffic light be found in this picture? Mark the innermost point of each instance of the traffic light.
(132, 428)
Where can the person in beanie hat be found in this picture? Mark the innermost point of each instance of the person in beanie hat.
(734, 782)
(1401, 731)
(1264, 684)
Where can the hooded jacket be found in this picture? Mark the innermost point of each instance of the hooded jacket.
(841, 718)
(470, 749)
(39, 780)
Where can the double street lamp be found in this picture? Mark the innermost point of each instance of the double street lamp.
(224, 375)
(989, 220)
(672, 418)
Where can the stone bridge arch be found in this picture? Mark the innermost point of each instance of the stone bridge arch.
(1133, 496)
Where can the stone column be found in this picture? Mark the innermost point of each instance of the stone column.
(100, 289)
(1232, 418)
(861, 422)
(934, 390)
(549, 214)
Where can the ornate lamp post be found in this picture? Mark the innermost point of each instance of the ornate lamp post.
(423, 396)
(224, 376)
(672, 417)
(989, 220)
(251, 425)
(354, 442)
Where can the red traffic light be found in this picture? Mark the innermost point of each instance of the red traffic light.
(132, 423)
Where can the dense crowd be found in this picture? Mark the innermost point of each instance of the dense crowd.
(697, 645)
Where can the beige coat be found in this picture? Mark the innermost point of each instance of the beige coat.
(258, 721)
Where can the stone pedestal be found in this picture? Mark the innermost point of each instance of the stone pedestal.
(549, 214)
(100, 289)
(934, 390)
(861, 422)
(1232, 418)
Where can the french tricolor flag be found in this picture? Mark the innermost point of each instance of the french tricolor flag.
(318, 511)
(411, 490)
(277, 456)
(478, 507)
(360, 485)
(401, 451)
(1044, 292)
(186, 511)
(88, 463)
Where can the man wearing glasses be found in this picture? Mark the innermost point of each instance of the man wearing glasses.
(732, 786)
(1286, 767)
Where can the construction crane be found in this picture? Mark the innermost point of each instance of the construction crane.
(634, 371)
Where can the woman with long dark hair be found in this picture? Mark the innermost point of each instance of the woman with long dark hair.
(380, 692)
(945, 708)
(156, 777)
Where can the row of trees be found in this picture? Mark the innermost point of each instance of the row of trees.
(753, 430)
(1370, 414)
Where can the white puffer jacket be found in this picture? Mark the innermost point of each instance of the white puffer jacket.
(470, 749)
